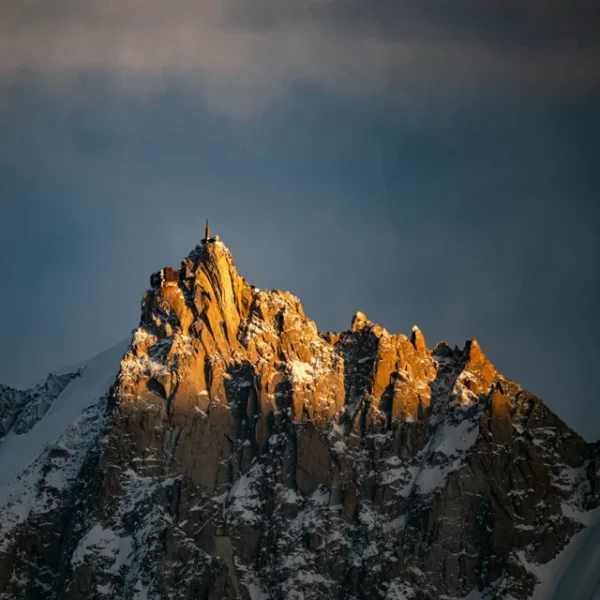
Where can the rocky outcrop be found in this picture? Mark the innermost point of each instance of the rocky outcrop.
(247, 455)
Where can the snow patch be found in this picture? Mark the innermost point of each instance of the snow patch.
(105, 543)
(301, 372)
(243, 501)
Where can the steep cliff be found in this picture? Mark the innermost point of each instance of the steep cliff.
(241, 453)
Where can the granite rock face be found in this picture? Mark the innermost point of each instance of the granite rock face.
(242, 454)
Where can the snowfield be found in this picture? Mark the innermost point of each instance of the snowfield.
(575, 573)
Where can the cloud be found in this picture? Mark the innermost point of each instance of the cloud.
(244, 55)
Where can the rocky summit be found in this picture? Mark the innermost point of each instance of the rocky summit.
(230, 450)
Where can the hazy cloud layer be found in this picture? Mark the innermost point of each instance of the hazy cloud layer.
(242, 55)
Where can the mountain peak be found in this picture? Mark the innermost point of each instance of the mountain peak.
(201, 328)
(362, 422)
(243, 454)
(418, 339)
(360, 321)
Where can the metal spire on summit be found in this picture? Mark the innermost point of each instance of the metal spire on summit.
(207, 239)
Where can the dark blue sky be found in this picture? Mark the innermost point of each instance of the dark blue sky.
(433, 166)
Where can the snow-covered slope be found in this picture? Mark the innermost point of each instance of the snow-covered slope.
(19, 451)
(575, 573)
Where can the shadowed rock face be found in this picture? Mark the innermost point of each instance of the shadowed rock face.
(243, 454)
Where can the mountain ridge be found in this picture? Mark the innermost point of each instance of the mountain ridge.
(241, 453)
